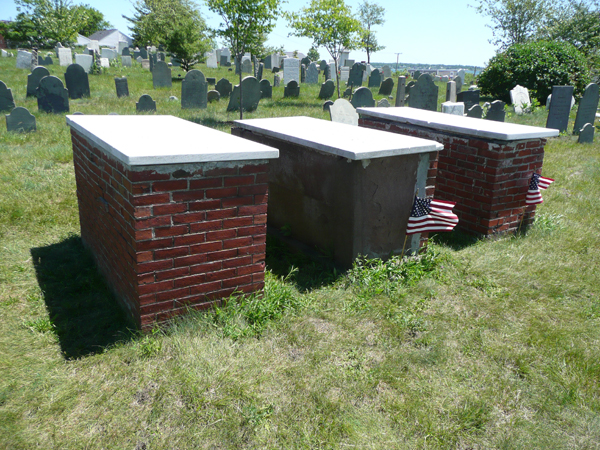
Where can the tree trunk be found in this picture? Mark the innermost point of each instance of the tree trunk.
(239, 58)
(337, 76)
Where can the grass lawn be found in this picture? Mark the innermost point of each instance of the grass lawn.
(475, 344)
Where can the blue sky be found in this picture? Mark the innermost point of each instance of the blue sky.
(427, 32)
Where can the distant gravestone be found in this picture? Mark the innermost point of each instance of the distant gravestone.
(326, 105)
(416, 74)
(586, 134)
(126, 61)
(460, 74)
(250, 95)
(161, 75)
(194, 90)
(519, 97)
(246, 65)
(475, 111)
(588, 106)
(327, 90)
(144, 53)
(122, 87)
(363, 97)
(549, 99)
(56, 47)
(305, 61)
(213, 96)
(121, 45)
(104, 62)
(387, 87)
(454, 108)
(560, 107)
(383, 103)
(355, 76)
(302, 73)
(347, 93)
(312, 74)
(459, 83)
(227, 54)
(7, 102)
(224, 87)
(259, 71)
(23, 60)
(469, 98)
(52, 97)
(211, 60)
(94, 45)
(268, 62)
(332, 74)
(276, 80)
(45, 61)
(145, 104)
(65, 57)
(175, 62)
(126, 52)
(342, 111)
(375, 79)
(109, 53)
(266, 90)
(496, 111)
(33, 79)
(291, 71)
(349, 62)
(20, 120)
(400, 92)
(323, 64)
(292, 89)
(4, 53)
(211, 81)
(223, 61)
(85, 61)
(424, 94)
(387, 71)
(76, 79)
(451, 91)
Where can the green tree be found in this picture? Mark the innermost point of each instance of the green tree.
(330, 24)
(94, 21)
(371, 14)
(244, 27)
(313, 54)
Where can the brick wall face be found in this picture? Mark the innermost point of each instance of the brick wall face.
(487, 179)
(168, 239)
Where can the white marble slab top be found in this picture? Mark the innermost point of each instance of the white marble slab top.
(339, 139)
(467, 126)
(156, 140)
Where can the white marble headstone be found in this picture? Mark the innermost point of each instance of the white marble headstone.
(291, 70)
(104, 62)
(342, 111)
(456, 108)
(211, 60)
(94, 45)
(65, 58)
(344, 74)
(519, 97)
(23, 60)
(120, 46)
(85, 61)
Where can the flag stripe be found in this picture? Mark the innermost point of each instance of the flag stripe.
(431, 215)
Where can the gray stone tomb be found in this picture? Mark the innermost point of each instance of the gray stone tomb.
(33, 79)
(387, 87)
(122, 87)
(76, 79)
(560, 107)
(52, 97)
(588, 106)
(20, 120)
(145, 104)
(194, 90)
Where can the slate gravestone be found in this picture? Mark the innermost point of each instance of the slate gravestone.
(292, 89)
(223, 61)
(475, 111)
(77, 82)
(137, 54)
(408, 87)
(496, 111)
(323, 64)
(303, 73)
(65, 57)
(454, 108)
(126, 52)
(342, 111)
(423, 94)
(276, 80)
(291, 70)
(387, 71)
(6, 98)
(227, 53)
(549, 99)
(144, 53)
(109, 53)
(23, 60)
(175, 62)
(312, 74)
(266, 90)
(349, 62)
(211, 81)
(347, 93)
(459, 83)
(375, 79)
(268, 62)
(45, 61)
(122, 87)
(586, 134)
(469, 98)
(326, 105)
(20, 120)
(85, 61)
(213, 96)
(211, 60)
(327, 90)
(33, 79)
(400, 92)
(224, 87)
(519, 97)
(121, 45)
(52, 97)
(194, 90)
(247, 65)
(363, 97)
(305, 61)
(161, 75)
(588, 106)
(151, 62)
(145, 104)
(259, 71)
(327, 72)
(416, 74)
(560, 107)
(355, 76)
(451, 91)
(387, 87)
(126, 61)
(383, 103)
(250, 95)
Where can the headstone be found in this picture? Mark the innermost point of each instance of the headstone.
(7, 102)
(454, 108)
(327, 90)
(451, 91)
(496, 111)
(387, 87)
(34, 57)
(475, 111)
(326, 105)
(223, 61)
(193, 90)
(45, 61)
(20, 120)
(121, 45)
(33, 79)
(94, 45)
(444, 79)
(383, 103)
(549, 99)
(291, 70)
(332, 74)
(400, 92)
(213, 96)
(305, 61)
(145, 103)
(345, 75)
(342, 111)
(424, 94)
(246, 65)
(176, 62)
(586, 134)
(323, 64)
(250, 95)
(355, 76)
(266, 90)
(76, 79)
(268, 62)
(211, 81)
(459, 83)
(387, 71)
(23, 60)
(145, 64)
(363, 97)
(85, 61)
(4, 53)
(52, 97)
(126, 61)
(347, 93)
(588, 106)
(259, 72)
(211, 60)
(276, 80)
(144, 53)
(224, 87)
(349, 63)
(375, 79)
(519, 97)
(161, 75)
(56, 47)
(292, 89)
(227, 54)
(302, 73)
(416, 74)
(153, 49)
(126, 52)
(460, 74)
(469, 98)
(151, 61)
(560, 107)
(104, 62)
(122, 87)
(65, 58)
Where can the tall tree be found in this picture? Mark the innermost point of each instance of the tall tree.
(244, 27)
(371, 14)
(94, 21)
(330, 24)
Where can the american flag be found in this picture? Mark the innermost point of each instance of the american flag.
(534, 196)
(431, 215)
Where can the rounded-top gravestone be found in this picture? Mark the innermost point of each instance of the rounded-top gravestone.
(77, 81)
(342, 111)
(266, 89)
(224, 87)
(363, 97)
(327, 90)
(387, 87)
(33, 79)
(6, 98)
(161, 75)
(250, 95)
(145, 104)
(193, 90)
(292, 89)
(52, 96)
(20, 120)
(213, 96)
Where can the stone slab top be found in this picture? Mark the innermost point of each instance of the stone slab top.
(156, 140)
(467, 126)
(339, 139)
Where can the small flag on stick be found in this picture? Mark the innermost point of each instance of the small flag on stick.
(431, 215)
(534, 196)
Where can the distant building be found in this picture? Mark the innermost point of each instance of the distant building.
(82, 40)
(110, 38)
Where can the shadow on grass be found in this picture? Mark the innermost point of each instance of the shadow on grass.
(86, 315)
(211, 122)
(456, 239)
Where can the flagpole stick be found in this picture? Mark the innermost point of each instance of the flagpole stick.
(521, 222)
(404, 246)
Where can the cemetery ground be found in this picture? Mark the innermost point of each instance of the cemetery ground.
(476, 344)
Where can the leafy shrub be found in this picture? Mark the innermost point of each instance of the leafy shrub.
(538, 66)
